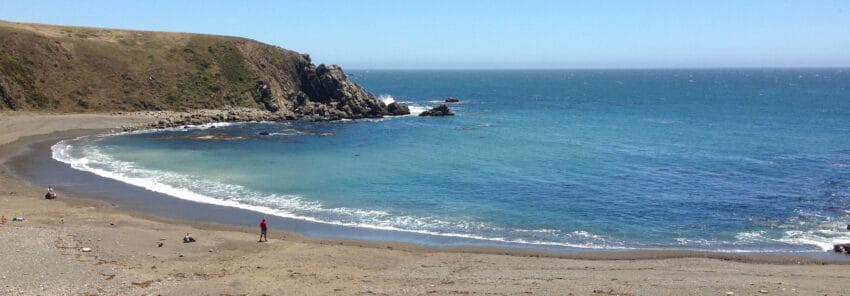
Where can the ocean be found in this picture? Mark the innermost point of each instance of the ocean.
(753, 160)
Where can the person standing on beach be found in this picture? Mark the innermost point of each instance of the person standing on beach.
(263, 228)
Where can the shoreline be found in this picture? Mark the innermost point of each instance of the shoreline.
(232, 238)
(144, 203)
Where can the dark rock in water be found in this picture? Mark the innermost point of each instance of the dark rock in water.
(441, 110)
(264, 133)
(841, 248)
(452, 100)
(396, 109)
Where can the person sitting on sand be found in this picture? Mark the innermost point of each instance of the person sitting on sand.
(3, 219)
(188, 239)
(263, 229)
(50, 194)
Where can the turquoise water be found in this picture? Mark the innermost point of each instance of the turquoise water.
(731, 160)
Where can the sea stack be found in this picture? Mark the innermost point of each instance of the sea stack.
(441, 110)
(396, 109)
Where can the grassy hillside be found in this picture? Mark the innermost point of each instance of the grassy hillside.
(76, 69)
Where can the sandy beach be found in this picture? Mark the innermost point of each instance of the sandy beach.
(44, 255)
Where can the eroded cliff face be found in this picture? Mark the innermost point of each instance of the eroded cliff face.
(290, 82)
(73, 69)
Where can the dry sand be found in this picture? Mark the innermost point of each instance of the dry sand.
(43, 256)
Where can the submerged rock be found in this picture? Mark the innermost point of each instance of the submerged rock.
(452, 100)
(441, 110)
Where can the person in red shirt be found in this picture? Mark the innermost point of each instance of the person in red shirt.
(263, 228)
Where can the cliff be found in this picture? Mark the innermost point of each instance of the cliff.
(76, 69)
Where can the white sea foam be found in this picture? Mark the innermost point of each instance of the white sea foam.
(815, 230)
(290, 132)
(181, 128)
(387, 99)
(750, 236)
(196, 189)
(414, 109)
(83, 156)
(822, 238)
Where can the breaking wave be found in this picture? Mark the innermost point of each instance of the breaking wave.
(81, 155)
(414, 109)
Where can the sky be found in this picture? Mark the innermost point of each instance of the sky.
(495, 34)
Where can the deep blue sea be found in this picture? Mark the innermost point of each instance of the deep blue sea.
(727, 160)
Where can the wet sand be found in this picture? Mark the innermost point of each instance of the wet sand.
(43, 255)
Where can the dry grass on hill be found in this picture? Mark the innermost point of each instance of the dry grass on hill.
(77, 69)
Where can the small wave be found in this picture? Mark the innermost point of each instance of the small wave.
(220, 124)
(698, 242)
(180, 128)
(295, 207)
(218, 138)
(751, 236)
(290, 132)
(822, 238)
(415, 109)
(817, 230)
(807, 228)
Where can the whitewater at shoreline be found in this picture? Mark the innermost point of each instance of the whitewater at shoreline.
(150, 180)
(227, 259)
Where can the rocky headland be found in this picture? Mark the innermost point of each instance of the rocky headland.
(82, 70)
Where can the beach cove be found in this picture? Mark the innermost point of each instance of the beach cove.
(125, 258)
(468, 148)
(551, 160)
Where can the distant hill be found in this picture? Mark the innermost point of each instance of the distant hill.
(78, 69)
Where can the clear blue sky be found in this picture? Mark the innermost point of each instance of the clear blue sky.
(363, 34)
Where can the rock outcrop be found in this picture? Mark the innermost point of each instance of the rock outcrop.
(441, 110)
(74, 69)
(329, 93)
(168, 119)
(396, 109)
